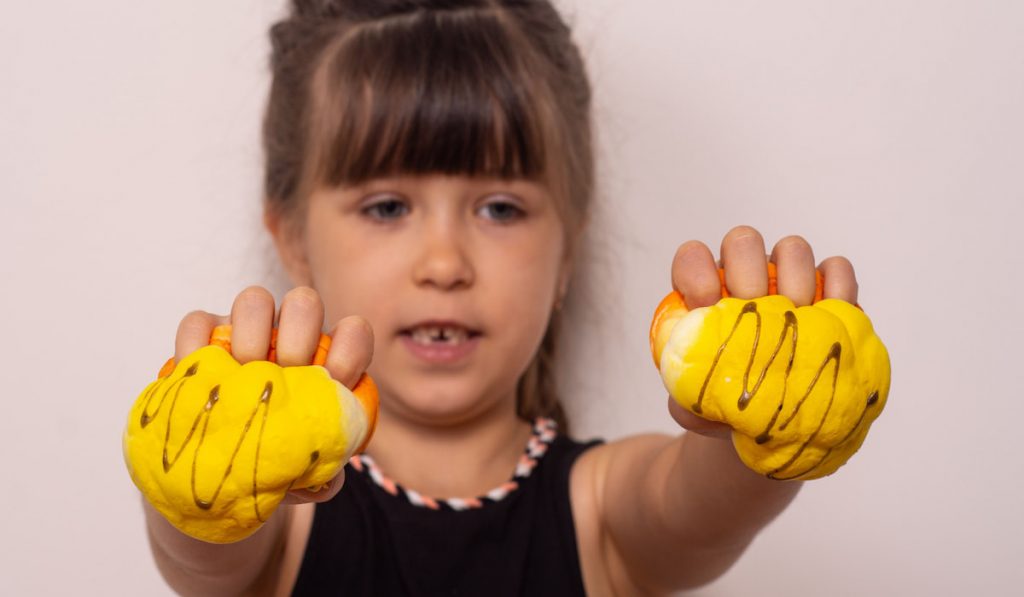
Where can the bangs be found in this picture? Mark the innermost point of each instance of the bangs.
(428, 93)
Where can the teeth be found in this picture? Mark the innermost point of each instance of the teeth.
(432, 334)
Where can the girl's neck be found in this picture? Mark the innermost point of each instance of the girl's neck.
(466, 459)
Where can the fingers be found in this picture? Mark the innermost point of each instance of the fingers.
(840, 280)
(794, 262)
(323, 494)
(252, 323)
(351, 350)
(699, 425)
(302, 317)
(743, 258)
(298, 334)
(252, 317)
(695, 275)
(194, 332)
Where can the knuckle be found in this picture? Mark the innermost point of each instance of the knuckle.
(743, 232)
(355, 335)
(689, 246)
(345, 372)
(303, 297)
(352, 349)
(793, 244)
(255, 293)
(840, 276)
(838, 264)
(693, 263)
(690, 256)
(254, 298)
(194, 321)
(360, 328)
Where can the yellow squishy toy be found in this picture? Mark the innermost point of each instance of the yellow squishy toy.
(215, 445)
(800, 386)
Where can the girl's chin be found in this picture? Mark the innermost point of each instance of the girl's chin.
(441, 403)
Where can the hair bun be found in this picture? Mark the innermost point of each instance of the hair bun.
(368, 10)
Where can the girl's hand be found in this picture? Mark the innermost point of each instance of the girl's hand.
(299, 324)
(695, 276)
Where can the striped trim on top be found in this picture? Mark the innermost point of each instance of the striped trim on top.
(544, 432)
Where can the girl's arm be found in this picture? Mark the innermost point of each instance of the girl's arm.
(194, 567)
(675, 513)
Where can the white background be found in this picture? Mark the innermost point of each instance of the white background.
(891, 132)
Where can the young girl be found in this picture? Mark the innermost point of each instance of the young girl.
(428, 176)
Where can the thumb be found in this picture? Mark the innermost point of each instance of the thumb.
(699, 425)
(322, 494)
(351, 350)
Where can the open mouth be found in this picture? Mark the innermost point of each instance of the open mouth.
(439, 334)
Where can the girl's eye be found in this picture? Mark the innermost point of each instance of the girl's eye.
(502, 211)
(387, 209)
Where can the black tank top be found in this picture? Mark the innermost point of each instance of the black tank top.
(377, 538)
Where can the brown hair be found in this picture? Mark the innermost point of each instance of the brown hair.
(368, 88)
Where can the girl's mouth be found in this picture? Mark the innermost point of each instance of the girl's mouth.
(440, 342)
(449, 335)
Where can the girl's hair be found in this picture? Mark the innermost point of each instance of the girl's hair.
(370, 88)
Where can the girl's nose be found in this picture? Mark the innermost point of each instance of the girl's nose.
(444, 262)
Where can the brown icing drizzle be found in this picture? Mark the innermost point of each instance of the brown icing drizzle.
(147, 416)
(261, 410)
(790, 330)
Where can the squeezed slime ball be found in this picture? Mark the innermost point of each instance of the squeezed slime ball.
(800, 386)
(215, 445)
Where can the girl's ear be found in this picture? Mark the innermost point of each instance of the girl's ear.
(564, 275)
(290, 247)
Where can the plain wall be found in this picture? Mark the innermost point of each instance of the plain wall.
(891, 132)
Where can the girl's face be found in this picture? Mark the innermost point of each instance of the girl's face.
(457, 276)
